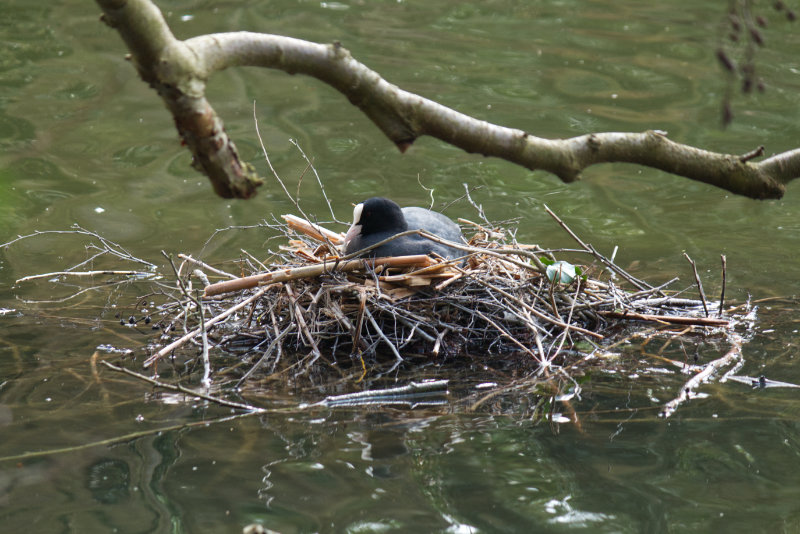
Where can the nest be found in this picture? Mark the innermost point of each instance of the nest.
(501, 303)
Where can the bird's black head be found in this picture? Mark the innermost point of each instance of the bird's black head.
(374, 220)
(378, 215)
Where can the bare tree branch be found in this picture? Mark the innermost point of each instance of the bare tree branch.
(178, 70)
(171, 68)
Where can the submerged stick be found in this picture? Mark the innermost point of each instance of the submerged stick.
(137, 274)
(734, 353)
(125, 438)
(206, 381)
(724, 282)
(384, 396)
(181, 389)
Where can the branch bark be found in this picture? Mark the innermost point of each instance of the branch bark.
(170, 67)
(178, 70)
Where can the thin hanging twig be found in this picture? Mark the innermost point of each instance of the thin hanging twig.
(319, 180)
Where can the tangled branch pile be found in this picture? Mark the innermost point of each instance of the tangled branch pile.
(313, 307)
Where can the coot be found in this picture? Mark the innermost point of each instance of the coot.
(379, 218)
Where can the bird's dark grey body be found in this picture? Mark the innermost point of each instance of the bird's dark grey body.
(378, 218)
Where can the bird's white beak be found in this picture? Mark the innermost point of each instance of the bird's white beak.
(355, 228)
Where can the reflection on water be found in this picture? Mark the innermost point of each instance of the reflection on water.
(620, 468)
(84, 141)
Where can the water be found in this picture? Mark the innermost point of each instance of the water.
(83, 141)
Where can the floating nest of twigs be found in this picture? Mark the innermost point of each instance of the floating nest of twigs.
(504, 317)
(503, 303)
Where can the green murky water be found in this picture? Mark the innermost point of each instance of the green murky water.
(83, 141)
